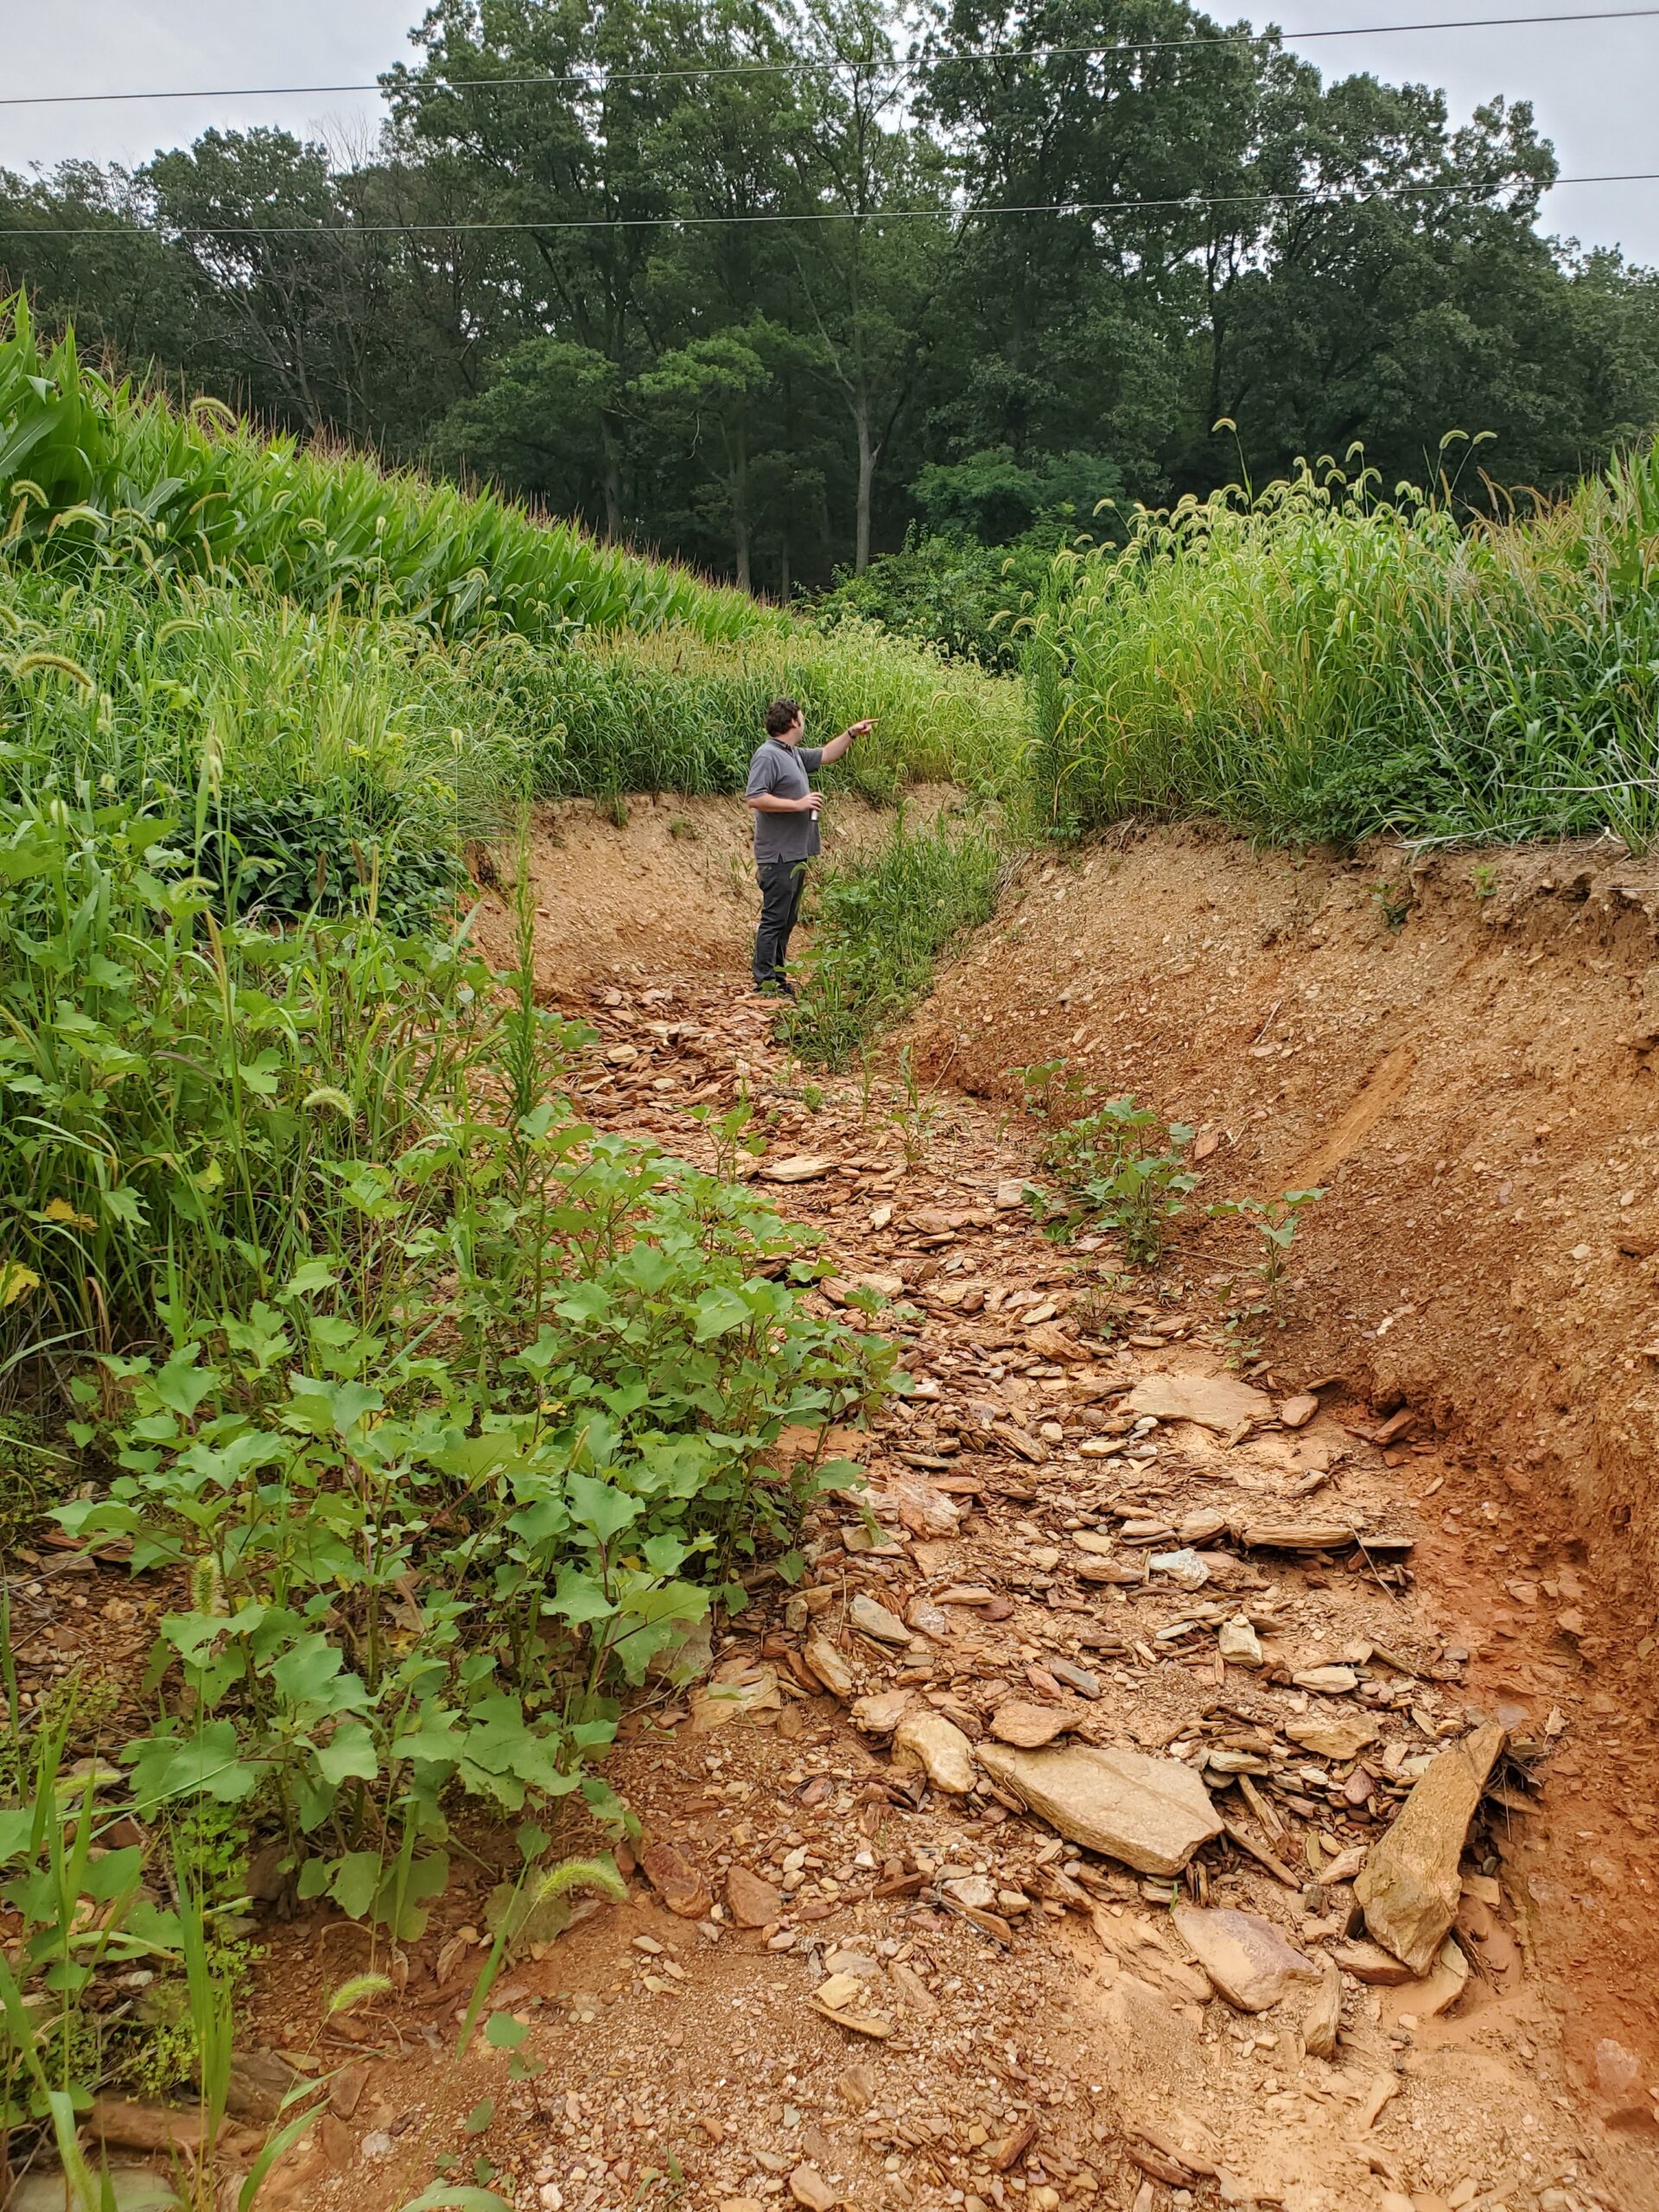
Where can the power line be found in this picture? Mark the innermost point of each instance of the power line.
(1358, 198)
(806, 66)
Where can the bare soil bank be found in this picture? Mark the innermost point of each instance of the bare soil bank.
(1462, 1052)
(665, 880)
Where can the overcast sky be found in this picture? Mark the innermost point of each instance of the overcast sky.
(1592, 84)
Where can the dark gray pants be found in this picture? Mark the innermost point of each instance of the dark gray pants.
(781, 884)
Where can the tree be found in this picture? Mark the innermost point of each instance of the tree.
(85, 242)
(740, 279)
(571, 155)
(707, 389)
(870, 281)
(540, 423)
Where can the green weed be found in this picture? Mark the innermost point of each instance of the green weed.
(913, 1114)
(1276, 1222)
(1394, 903)
(1053, 1089)
(1106, 1180)
(879, 924)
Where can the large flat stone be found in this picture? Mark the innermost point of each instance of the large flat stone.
(1409, 1883)
(1339, 1739)
(1215, 1401)
(928, 1741)
(1249, 1961)
(1150, 1813)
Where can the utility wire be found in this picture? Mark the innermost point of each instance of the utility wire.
(1358, 198)
(829, 67)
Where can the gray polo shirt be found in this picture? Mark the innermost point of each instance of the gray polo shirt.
(782, 769)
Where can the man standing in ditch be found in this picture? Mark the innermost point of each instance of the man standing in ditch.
(785, 809)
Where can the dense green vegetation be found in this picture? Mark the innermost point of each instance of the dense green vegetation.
(772, 399)
(1318, 661)
(944, 588)
(439, 1414)
(337, 676)
(878, 925)
(92, 470)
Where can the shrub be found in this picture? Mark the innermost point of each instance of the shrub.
(442, 1413)
(948, 590)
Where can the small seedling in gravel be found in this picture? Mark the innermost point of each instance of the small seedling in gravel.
(729, 1132)
(1053, 1090)
(1394, 902)
(1275, 1222)
(913, 1113)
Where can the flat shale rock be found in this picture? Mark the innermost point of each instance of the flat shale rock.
(1333, 1740)
(1438, 1990)
(799, 1167)
(1371, 1964)
(751, 1901)
(879, 1713)
(1213, 1400)
(827, 1663)
(842, 1288)
(1239, 1644)
(1118, 1574)
(925, 1511)
(1409, 1883)
(1151, 1814)
(870, 1618)
(1246, 1957)
(938, 1747)
(1097, 1546)
(1322, 2021)
(677, 1881)
(1028, 1726)
(927, 1619)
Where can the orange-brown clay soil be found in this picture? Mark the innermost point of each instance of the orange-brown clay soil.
(942, 2002)
(669, 885)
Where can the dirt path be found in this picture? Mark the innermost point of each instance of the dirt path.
(836, 1980)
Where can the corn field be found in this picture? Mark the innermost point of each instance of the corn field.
(91, 471)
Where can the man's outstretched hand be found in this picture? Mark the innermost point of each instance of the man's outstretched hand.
(859, 729)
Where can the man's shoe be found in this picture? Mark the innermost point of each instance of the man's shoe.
(775, 987)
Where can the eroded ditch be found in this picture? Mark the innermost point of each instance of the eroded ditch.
(841, 1978)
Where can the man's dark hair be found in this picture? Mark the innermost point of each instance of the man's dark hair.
(782, 714)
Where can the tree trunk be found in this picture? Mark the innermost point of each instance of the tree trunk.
(867, 457)
(783, 573)
(611, 482)
(740, 507)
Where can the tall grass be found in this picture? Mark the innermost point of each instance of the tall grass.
(669, 711)
(1318, 662)
(87, 464)
(345, 674)
(321, 754)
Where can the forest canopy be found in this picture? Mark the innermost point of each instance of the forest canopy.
(768, 286)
